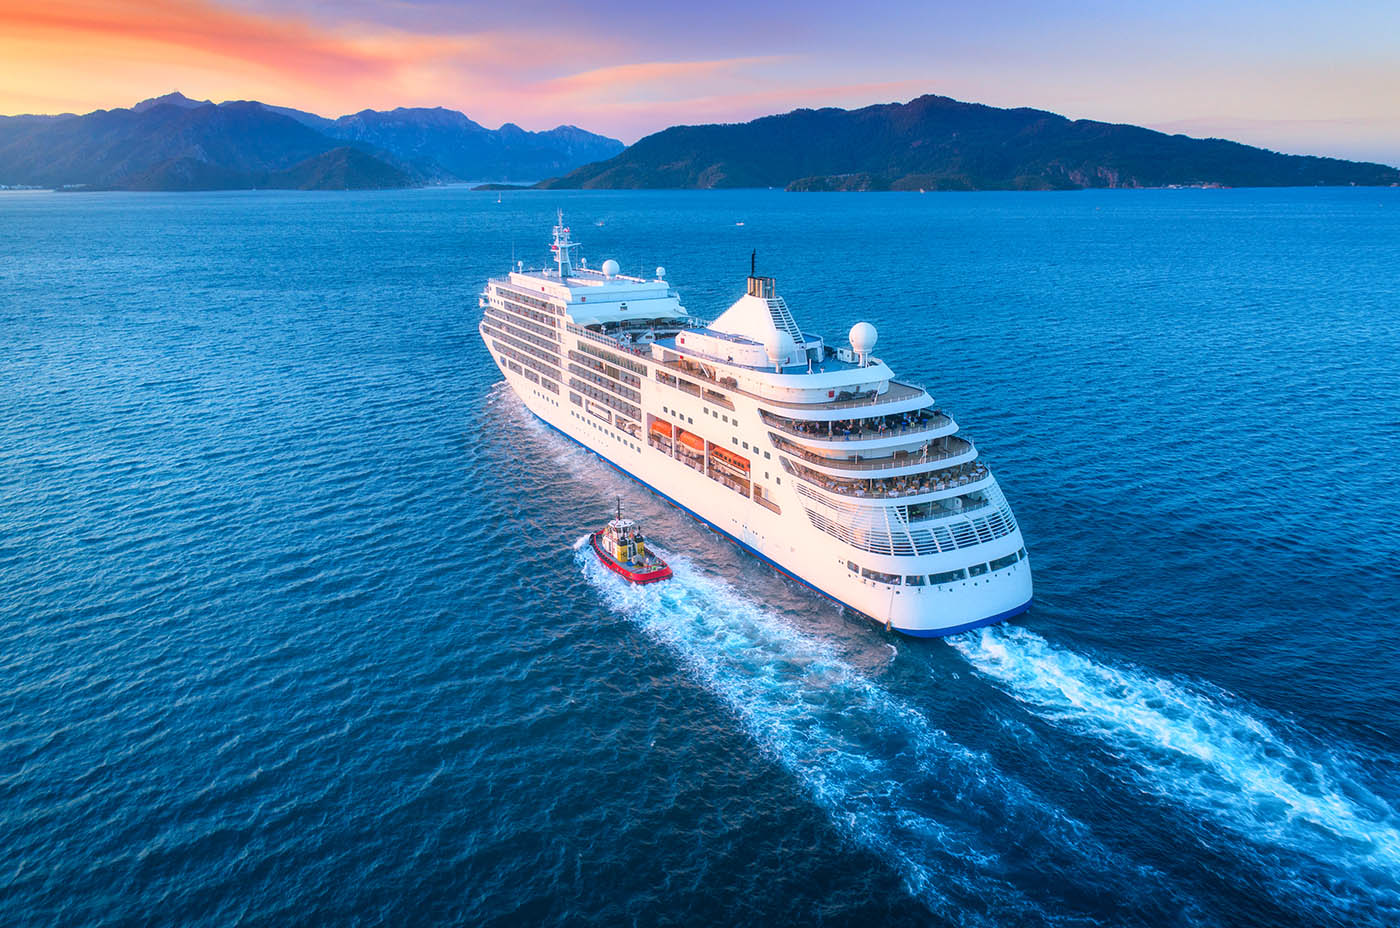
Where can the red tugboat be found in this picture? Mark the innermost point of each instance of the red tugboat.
(621, 547)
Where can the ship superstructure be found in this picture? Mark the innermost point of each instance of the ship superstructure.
(811, 456)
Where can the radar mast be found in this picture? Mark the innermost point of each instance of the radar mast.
(563, 248)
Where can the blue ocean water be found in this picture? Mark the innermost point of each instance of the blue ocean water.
(293, 627)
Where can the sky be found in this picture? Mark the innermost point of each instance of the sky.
(1294, 76)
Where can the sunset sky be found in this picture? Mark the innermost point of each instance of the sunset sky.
(1295, 76)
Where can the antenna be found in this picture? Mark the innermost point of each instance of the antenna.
(563, 247)
(619, 509)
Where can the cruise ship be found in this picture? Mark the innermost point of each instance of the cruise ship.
(810, 456)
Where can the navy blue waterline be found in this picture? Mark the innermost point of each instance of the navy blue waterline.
(990, 620)
(293, 628)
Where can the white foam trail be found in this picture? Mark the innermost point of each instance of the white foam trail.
(1341, 841)
(871, 761)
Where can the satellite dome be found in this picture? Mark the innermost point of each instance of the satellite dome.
(660, 273)
(611, 267)
(779, 346)
(863, 337)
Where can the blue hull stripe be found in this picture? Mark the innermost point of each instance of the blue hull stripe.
(914, 633)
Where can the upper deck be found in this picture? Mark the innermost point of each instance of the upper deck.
(592, 297)
(755, 347)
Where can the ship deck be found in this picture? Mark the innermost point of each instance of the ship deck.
(829, 365)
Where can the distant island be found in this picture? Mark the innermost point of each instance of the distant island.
(936, 143)
(175, 143)
(930, 143)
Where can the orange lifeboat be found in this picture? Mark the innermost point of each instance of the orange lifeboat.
(733, 460)
(691, 440)
(661, 427)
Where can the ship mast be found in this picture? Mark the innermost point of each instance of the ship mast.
(563, 248)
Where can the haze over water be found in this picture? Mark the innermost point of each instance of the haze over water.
(293, 628)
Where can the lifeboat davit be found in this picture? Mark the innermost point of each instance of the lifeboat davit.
(622, 548)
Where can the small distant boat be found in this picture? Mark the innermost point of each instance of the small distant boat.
(621, 547)
(739, 223)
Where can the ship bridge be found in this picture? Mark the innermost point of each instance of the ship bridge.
(603, 298)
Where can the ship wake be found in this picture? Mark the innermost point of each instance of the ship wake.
(939, 813)
(1307, 816)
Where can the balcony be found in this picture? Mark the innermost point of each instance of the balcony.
(897, 392)
(947, 448)
(694, 389)
(926, 484)
(626, 343)
(943, 508)
(872, 428)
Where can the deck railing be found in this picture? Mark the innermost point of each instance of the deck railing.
(819, 431)
(955, 447)
(891, 487)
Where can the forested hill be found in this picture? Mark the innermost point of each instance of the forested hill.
(936, 143)
(175, 143)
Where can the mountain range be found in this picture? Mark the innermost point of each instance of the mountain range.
(932, 142)
(937, 143)
(175, 143)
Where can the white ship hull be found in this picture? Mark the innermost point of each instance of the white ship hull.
(815, 459)
(786, 540)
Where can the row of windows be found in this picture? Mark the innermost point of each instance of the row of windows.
(591, 422)
(607, 399)
(695, 389)
(678, 414)
(522, 329)
(543, 318)
(509, 352)
(947, 576)
(601, 381)
(964, 533)
(549, 348)
(526, 328)
(513, 336)
(526, 298)
(680, 383)
(733, 438)
(635, 367)
(610, 370)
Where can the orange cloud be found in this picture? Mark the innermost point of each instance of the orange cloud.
(79, 55)
(287, 46)
(86, 54)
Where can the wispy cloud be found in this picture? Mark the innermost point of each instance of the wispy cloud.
(538, 65)
(646, 77)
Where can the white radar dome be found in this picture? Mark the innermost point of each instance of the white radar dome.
(780, 347)
(661, 273)
(611, 267)
(863, 336)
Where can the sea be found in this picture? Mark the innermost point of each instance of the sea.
(295, 628)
